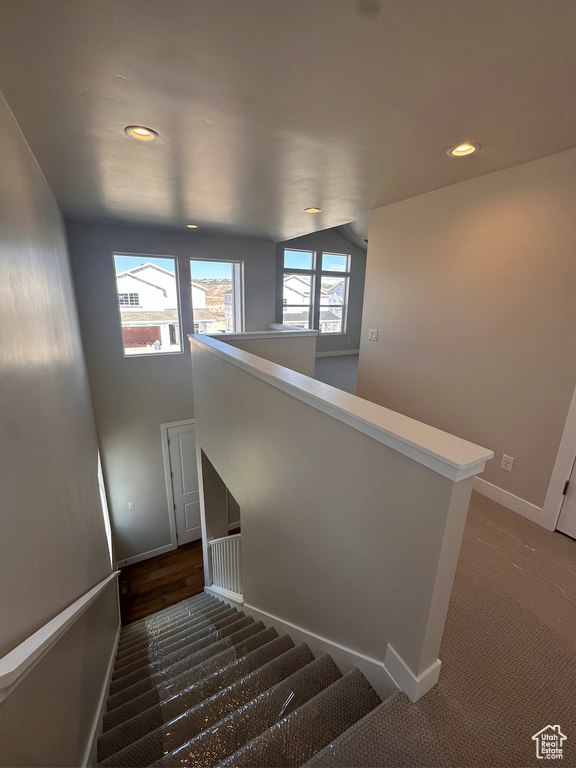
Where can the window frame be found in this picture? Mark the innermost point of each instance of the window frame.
(316, 274)
(144, 256)
(237, 288)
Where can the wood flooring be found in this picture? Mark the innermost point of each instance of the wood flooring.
(161, 581)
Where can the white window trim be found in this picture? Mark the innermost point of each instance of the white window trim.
(316, 274)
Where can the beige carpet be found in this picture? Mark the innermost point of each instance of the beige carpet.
(509, 649)
(508, 659)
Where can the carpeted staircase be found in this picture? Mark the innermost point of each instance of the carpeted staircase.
(201, 684)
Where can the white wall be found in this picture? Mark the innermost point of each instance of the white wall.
(133, 396)
(295, 352)
(53, 546)
(472, 289)
(150, 298)
(343, 536)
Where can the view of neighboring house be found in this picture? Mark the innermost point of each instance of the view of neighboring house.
(229, 310)
(297, 302)
(147, 297)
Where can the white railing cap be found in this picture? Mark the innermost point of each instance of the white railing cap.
(440, 451)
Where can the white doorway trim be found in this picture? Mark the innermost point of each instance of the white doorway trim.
(167, 476)
(562, 470)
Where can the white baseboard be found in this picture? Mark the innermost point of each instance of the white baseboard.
(345, 658)
(338, 353)
(231, 526)
(90, 756)
(231, 597)
(508, 500)
(385, 677)
(413, 686)
(145, 555)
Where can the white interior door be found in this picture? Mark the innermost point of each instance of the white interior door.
(184, 481)
(567, 520)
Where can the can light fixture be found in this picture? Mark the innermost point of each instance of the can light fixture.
(461, 150)
(141, 133)
(312, 210)
(192, 226)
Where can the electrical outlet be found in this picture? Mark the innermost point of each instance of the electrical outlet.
(506, 463)
(131, 505)
(372, 334)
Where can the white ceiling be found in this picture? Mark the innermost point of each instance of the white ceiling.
(265, 107)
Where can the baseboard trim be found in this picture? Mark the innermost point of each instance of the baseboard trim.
(90, 756)
(345, 658)
(508, 500)
(338, 353)
(145, 555)
(232, 597)
(413, 686)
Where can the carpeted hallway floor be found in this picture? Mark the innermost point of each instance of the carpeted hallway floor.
(508, 654)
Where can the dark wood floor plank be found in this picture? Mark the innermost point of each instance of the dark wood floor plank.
(161, 581)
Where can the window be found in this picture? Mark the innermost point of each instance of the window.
(129, 299)
(217, 296)
(148, 302)
(315, 291)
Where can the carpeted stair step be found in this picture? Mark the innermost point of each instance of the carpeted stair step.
(132, 632)
(223, 738)
(179, 621)
(140, 669)
(296, 738)
(188, 722)
(154, 632)
(193, 603)
(190, 689)
(196, 631)
(377, 739)
(171, 629)
(211, 658)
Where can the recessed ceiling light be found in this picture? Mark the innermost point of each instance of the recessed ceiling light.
(141, 133)
(463, 149)
(312, 210)
(192, 226)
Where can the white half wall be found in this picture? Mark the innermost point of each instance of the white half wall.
(343, 536)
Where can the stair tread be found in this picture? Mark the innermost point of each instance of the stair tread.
(149, 648)
(170, 678)
(141, 669)
(376, 739)
(296, 738)
(231, 730)
(160, 631)
(193, 602)
(209, 710)
(264, 647)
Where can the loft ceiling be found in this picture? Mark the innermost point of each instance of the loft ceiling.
(265, 107)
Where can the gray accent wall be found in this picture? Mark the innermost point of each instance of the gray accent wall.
(332, 242)
(53, 546)
(473, 291)
(134, 396)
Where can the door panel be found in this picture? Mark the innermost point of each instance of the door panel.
(185, 486)
(189, 469)
(192, 515)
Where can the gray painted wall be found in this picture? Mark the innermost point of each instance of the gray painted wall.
(134, 396)
(53, 546)
(328, 240)
(472, 289)
(342, 536)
